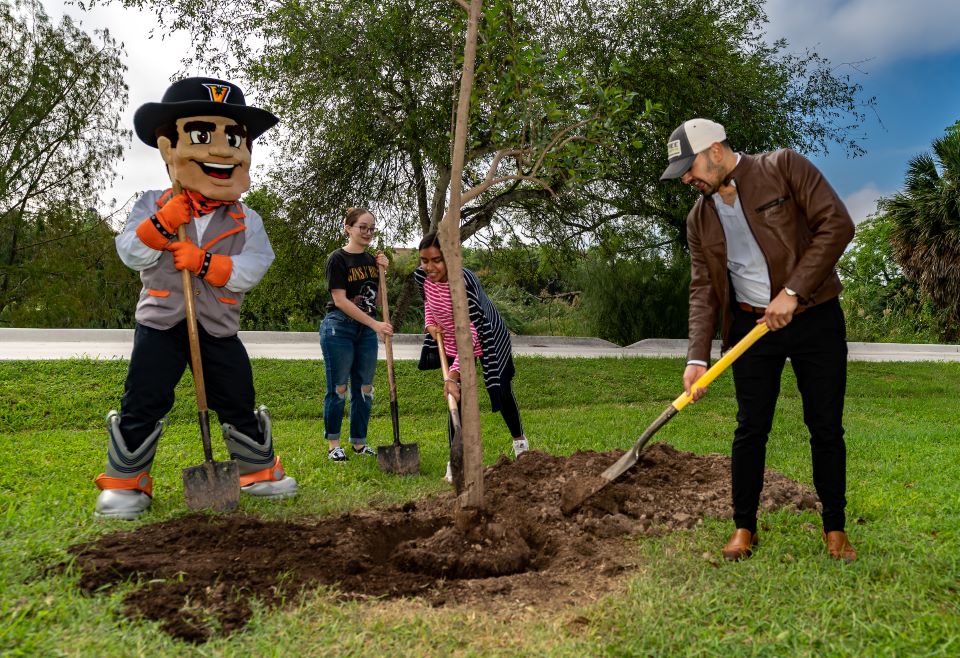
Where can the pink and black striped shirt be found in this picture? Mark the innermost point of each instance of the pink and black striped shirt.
(438, 311)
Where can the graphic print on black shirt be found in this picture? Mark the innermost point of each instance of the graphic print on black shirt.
(358, 275)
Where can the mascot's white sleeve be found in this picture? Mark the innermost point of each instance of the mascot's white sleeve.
(255, 259)
(134, 254)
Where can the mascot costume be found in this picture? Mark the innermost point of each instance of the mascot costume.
(204, 131)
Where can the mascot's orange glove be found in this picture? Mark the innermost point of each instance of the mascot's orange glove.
(157, 231)
(215, 269)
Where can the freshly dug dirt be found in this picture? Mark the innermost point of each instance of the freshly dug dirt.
(199, 573)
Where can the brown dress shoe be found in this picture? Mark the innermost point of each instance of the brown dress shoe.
(839, 547)
(740, 545)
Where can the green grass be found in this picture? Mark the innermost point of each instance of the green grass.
(902, 597)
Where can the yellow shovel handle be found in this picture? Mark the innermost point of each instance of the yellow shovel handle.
(732, 354)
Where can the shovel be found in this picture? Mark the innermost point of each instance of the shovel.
(398, 458)
(456, 446)
(578, 490)
(211, 485)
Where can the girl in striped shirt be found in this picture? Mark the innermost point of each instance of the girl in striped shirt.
(491, 340)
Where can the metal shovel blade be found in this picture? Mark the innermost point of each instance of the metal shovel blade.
(399, 458)
(456, 449)
(579, 489)
(212, 485)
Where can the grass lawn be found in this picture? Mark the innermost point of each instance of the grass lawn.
(902, 597)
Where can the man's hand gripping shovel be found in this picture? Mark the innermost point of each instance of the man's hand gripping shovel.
(578, 490)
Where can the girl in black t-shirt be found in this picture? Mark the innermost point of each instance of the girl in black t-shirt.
(348, 334)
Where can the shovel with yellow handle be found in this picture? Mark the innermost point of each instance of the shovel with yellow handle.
(578, 490)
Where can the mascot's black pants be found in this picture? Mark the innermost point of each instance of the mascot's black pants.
(157, 363)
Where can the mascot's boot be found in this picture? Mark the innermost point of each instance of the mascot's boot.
(126, 489)
(260, 471)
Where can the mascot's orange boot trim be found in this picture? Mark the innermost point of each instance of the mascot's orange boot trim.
(269, 474)
(140, 482)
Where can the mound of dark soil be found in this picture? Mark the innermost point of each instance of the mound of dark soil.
(198, 573)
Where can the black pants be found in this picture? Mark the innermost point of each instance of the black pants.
(815, 342)
(508, 409)
(157, 363)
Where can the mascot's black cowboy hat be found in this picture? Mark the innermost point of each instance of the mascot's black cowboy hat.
(198, 97)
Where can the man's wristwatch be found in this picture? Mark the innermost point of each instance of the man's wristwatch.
(791, 293)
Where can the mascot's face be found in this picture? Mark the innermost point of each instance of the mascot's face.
(211, 157)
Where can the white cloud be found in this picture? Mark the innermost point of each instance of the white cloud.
(876, 30)
(863, 203)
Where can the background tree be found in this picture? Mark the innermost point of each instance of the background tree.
(925, 220)
(68, 273)
(705, 58)
(880, 302)
(366, 89)
(292, 294)
(628, 297)
(61, 94)
(571, 106)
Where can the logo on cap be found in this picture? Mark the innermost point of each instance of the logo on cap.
(673, 149)
(218, 93)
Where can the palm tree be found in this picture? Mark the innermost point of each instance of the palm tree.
(926, 226)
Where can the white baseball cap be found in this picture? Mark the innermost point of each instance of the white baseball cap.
(685, 142)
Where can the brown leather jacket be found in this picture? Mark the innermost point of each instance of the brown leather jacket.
(800, 224)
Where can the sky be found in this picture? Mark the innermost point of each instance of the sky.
(909, 55)
(905, 54)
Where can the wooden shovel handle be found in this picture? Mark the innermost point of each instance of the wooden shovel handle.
(451, 403)
(194, 336)
(193, 331)
(387, 340)
(388, 348)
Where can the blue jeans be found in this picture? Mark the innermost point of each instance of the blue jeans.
(349, 352)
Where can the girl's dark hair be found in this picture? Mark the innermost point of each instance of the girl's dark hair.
(429, 240)
(353, 214)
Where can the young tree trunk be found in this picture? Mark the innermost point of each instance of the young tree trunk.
(471, 498)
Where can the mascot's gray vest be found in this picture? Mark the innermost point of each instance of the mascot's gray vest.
(161, 303)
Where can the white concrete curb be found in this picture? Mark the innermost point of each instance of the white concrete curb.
(43, 344)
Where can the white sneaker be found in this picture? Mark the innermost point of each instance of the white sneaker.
(448, 478)
(520, 446)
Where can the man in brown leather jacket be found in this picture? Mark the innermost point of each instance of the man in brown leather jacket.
(765, 239)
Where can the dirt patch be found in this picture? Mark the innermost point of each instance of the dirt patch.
(198, 573)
